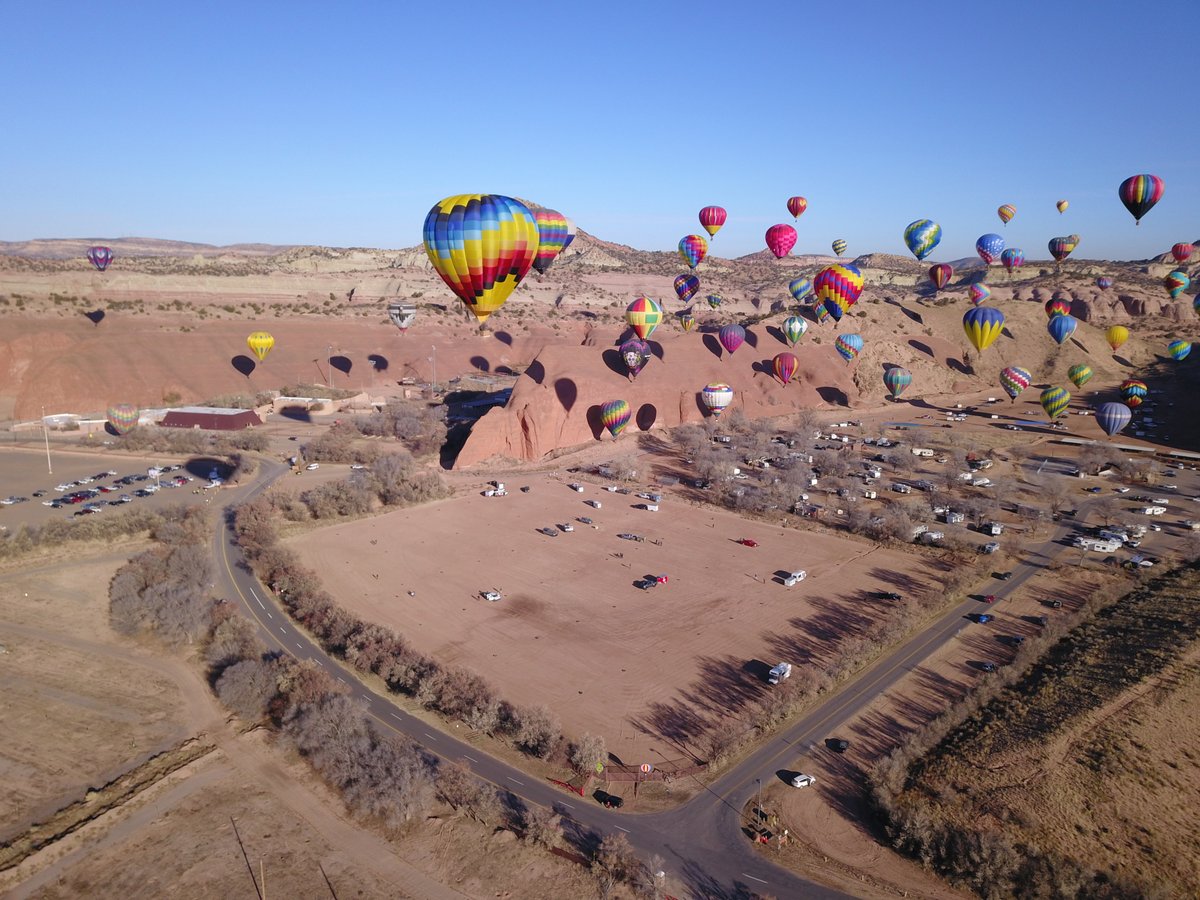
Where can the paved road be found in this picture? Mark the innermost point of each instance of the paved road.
(701, 842)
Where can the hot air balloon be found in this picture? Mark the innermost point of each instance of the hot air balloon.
(692, 249)
(839, 246)
(941, 274)
(712, 218)
(794, 328)
(838, 288)
(635, 353)
(1104, 282)
(555, 233)
(687, 320)
(1014, 379)
(716, 397)
(822, 313)
(1139, 193)
(1113, 417)
(731, 337)
(482, 245)
(686, 287)
(614, 415)
(260, 344)
(1182, 252)
(1073, 240)
(1133, 392)
(1055, 400)
(100, 257)
(989, 247)
(921, 237)
(896, 380)
(983, 325)
(1176, 283)
(1061, 327)
(1058, 306)
(800, 288)
(122, 417)
(643, 316)
(1061, 206)
(1116, 335)
(848, 346)
(781, 239)
(796, 206)
(978, 293)
(1079, 374)
(714, 300)
(785, 365)
(402, 313)
(1006, 212)
(1060, 248)
(1012, 258)
(1179, 350)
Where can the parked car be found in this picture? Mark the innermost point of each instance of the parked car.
(748, 542)
(889, 595)
(311, 467)
(983, 618)
(1004, 576)
(990, 598)
(803, 781)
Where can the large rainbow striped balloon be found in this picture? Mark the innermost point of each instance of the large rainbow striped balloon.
(482, 245)
(1139, 193)
(122, 417)
(614, 415)
(692, 249)
(555, 233)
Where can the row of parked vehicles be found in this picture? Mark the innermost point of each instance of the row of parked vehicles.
(89, 494)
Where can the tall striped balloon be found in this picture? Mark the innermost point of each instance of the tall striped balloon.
(1014, 380)
(983, 325)
(482, 246)
(941, 274)
(1060, 248)
(555, 233)
(796, 206)
(714, 301)
(100, 257)
(1006, 213)
(1113, 417)
(785, 366)
(1179, 350)
(921, 237)
(687, 320)
(731, 337)
(1139, 193)
(692, 249)
(1055, 401)
(122, 417)
(1079, 374)
(839, 246)
(848, 346)
(1104, 282)
(614, 415)
(716, 397)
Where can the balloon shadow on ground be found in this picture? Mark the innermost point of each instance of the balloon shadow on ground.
(834, 395)
(295, 413)
(920, 403)
(888, 366)
(204, 466)
(379, 363)
(656, 349)
(243, 364)
(504, 337)
(751, 338)
(777, 333)
(921, 347)
(1121, 361)
(537, 371)
(957, 366)
(95, 316)
(481, 363)
(1075, 341)
(647, 415)
(595, 421)
(713, 345)
(615, 362)
(704, 410)
(567, 392)
(764, 367)
(342, 363)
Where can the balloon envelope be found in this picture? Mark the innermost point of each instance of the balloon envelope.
(989, 247)
(1179, 350)
(982, 326)
(1133, 392)
(1013, 380)
(848, 346)
(785, 365)
(839, 246)
(692, 249)
(941, 274)
(1182, 252)
(796, 206)
(1176, 283)
(1061, 206)
(1055, 400)
(1116, 335)
(800, 288)
(687, 320)
(482, 246)
(781, 239)
(1079, 374)
(122, 417)
(402, 313)
(896, 380)
(1060, 248)
(712, 218)
(978, 293)
(1057, 306)
(686, 287)
(1113, 417)
(1012, 258)
(731, 337)
(714, 300)
(100, 257)
(1061, 327)
(260, 344)
(794, 328)
(1104, 282)
(555, 233)
(1139, 193)
(716, 397)
(635, 353)
(614, 415)
(643, 316)
(838, 287)
(921, 237)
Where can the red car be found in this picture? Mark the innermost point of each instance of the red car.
(748, 542)
(990, 598)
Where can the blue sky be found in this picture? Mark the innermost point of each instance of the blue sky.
(341, 124)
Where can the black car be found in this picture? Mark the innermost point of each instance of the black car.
(1042, 620)
(1004, 576)
(988, 666)
(889, 595)
(841, 745)
(39, 493)
(612, 801)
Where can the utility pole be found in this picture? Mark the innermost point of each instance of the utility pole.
(329, 365)
(46, 437)
(433, 360)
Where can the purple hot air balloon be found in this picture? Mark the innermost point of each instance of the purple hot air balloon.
(635, 353)
(100, 257)
(731, 337)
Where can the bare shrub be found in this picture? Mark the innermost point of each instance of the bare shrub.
(248, 687)
(586, 752)
(538, 731)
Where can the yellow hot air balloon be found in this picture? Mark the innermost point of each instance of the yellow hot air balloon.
(1061, 206)
(1116, 336)
(260, 344)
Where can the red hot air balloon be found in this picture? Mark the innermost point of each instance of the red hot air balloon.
(941, 274)
(1182, 252)
(781, 239)
(712, 218)
(796, 206)
(785, 365)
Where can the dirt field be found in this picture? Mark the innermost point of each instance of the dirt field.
(574, 633)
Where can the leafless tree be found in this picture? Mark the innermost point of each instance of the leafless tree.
(538, 732)
(247, 688)
(586, 752)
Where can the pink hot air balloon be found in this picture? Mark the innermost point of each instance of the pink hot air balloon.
(712, 218)
(785, 365)
(781, 239)
(731, 337)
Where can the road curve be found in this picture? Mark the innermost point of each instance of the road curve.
(701, 841)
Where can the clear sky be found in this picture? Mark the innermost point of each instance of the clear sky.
(342, 123)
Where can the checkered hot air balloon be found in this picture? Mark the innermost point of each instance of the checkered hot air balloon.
(838, 288)
(1006, 213)
(941, 274)
(692, 249)
(785, 366)
(555, 233)
(1079, 374)
(1182, 252)
(1176, 283)
(780, 240)
(100, 257)
(260, 344)
(1055, 401)
(1133, 392)
(686, 287)
(1179, 350)
(122, 417)
(794, 328)
(1139, 193)
(643, 315)
(982, 326)
(716, 397)
(848, 346)
(896, 380)
(921, 237)
(614, 415)
(712, 218)
(989, 247)
(731, 337)
(1014, 380)
(482, 245)
(978, 293)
